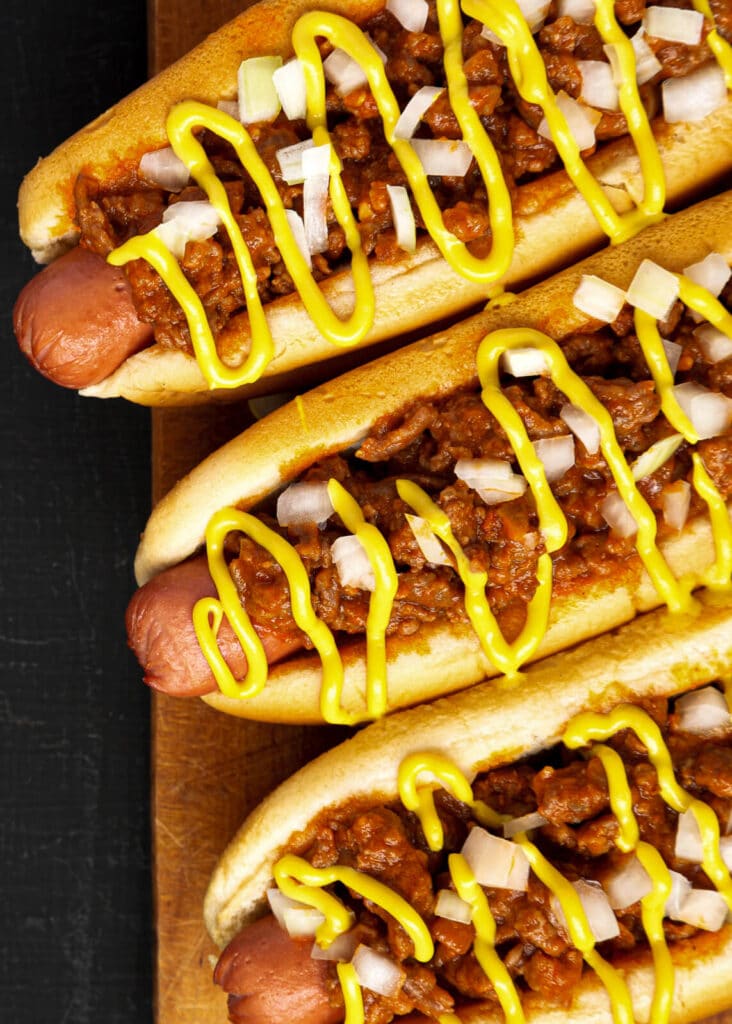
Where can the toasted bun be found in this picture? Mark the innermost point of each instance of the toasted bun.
(481, 728)
(411, 293)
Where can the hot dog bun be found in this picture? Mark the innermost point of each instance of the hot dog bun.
(411, 292)
(486, 727)
(440, 657)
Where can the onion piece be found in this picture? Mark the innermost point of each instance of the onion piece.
(599, 299)
(452, 907)
(695, 96)
(673, 354)
(628, 884)
(711, 273)
(653, 289)
(279, 903)
(186, 222)
(316, 161)
(496, 862)
(526, 823)
(655, 456)
(680, 889)
(230, 107)
(164, 168)
(702, 711)
(534, 12)
(582, 425)
(714, 344)
(524, 362)
(725, 849)
(581, 11)
(505, 490)
(302, 922)
(704, 908)
(556, 454)
(411, 14)
(377, 972)
(427, 542)
(343, 72)
(482, 472)
(600, 917)
(443, 158)
(688, 845)
(258, 99)
(617, 515)
(581, 121)
(710, 412)
(647, 64)
(314, 209)
(289, 83)
(674, 24)
(675, 502)
(414, 111)
(298, 233)
(290, 160)
(352, 563)
(598, 85)
(403, 217)
(341, 948)
(306, 502)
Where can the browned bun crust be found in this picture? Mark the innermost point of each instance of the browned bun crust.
(484, 727)
(412, 293)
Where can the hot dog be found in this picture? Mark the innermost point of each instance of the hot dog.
(499, 219)
(572, 768)
(519, 570)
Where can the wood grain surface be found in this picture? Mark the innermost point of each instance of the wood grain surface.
(208, 770)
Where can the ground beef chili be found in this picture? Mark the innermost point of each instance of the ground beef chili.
(571, 792)
(423, 443)
(107, 217)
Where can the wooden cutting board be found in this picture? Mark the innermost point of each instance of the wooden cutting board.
(208, 770)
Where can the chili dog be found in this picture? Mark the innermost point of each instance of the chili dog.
(456, 577)
(512, 853)
(200, 279)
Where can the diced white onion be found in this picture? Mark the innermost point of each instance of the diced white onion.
(302, 922)
(230, 107)
(680, 889)
(704, 908)
(450, 906)
(289, 83)
(556, 454)
(628, 884)
(600, 917)
(688, 845)
(316, 161)
(427, 542)
(534, 11)
(581, 11)
(694, 96)
(298, 233)
(443, 157)
(715, 344)
(674, 24)
(525, 823)
(290, 160)
(496, 862)
(377, 972)
(653, 289)
(524, 362)
(279, 903)
(352, 563)
(306, 502)
(647, 64)
(164, 168)
(504, 490)
(711, 273)
(599, 299)
(403, 217)
(414, 111)
(187, 222)
(702, 710)
(598, 85)
(709, 411)
(314, 207)
(411, 14)
(258, 99)
(617, 515)
(675, 502)
(345, 73)
(581, 121)
(582, 425)
(655, 456)
(673, 354)
(725, 849)
(482, 472)
(341, 948)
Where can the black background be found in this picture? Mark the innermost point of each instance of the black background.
(74, 717)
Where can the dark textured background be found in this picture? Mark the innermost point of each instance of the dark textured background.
(74, 722)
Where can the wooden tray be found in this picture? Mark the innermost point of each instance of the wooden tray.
(208, 770)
